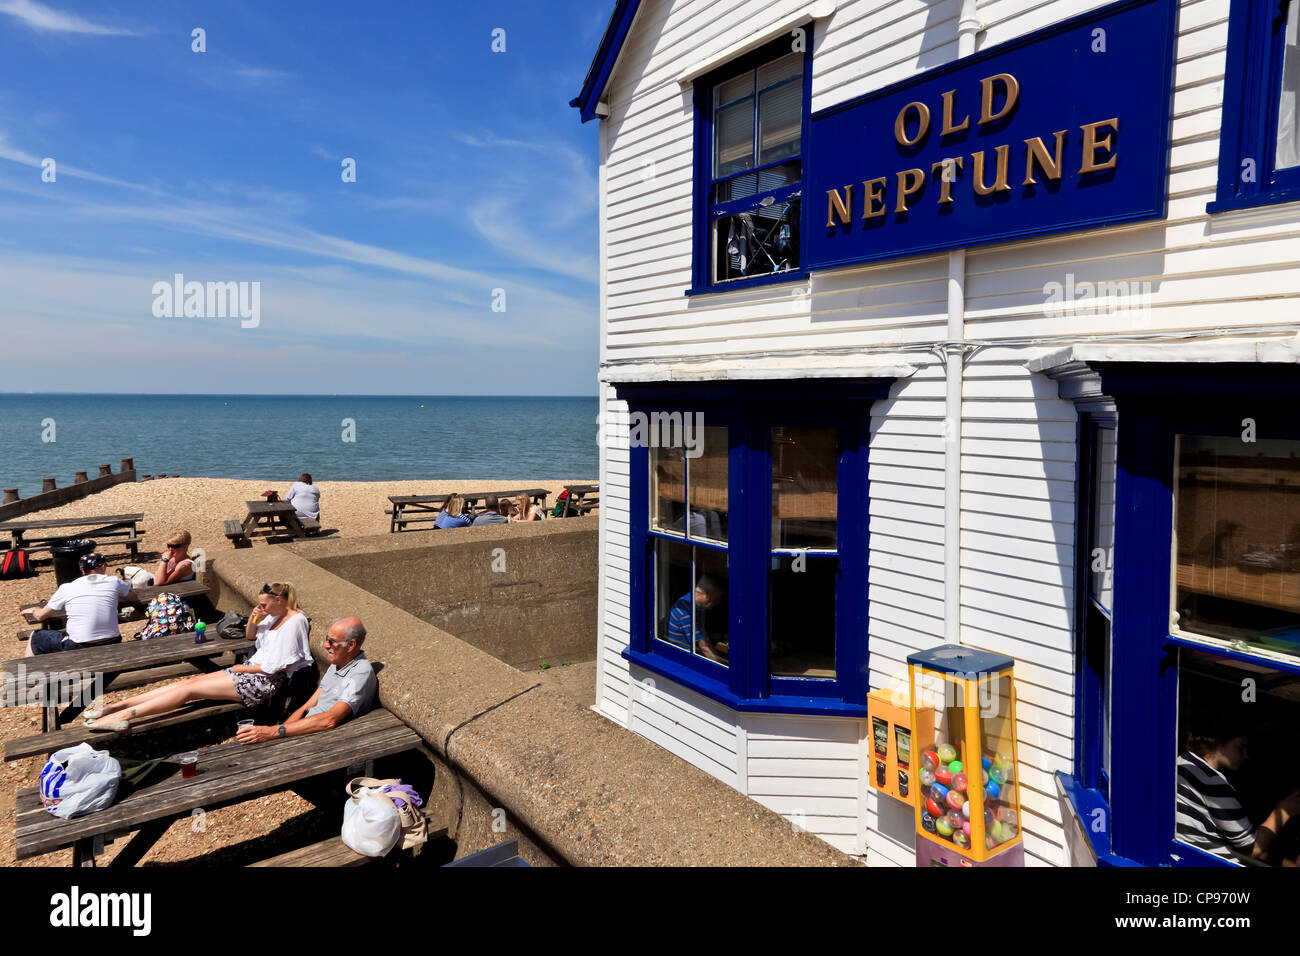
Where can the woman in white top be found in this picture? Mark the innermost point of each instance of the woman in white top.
(280, 631)
(305, 497)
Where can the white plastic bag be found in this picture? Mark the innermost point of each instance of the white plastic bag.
(371, 824)
(79, 780)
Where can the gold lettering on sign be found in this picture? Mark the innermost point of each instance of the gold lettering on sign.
(948, 128)
(923, 124)
(1035, 151)
(1091, 143)
(946, 179)
(1009, 86)
(910, 182)
(836, 207)
(977, 170)
(873, 203)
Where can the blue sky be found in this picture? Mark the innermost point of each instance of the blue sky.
(472, 175)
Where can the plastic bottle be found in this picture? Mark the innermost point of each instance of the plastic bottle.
(200, 633)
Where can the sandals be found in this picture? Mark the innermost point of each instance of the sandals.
(115, 726)
(95, 710)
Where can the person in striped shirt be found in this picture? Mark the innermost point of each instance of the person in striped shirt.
(1208, 812)
(707, 593)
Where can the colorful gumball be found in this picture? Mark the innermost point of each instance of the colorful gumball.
(944, 776)
(942, 825)
(961, 839)
(932, 808)
(1002, 759)
(992, 790)
(988, 842)
(927, 822)
(947, 753)
(986, 762)
(939, 791)
(929, 759)
(965, 809)
(997, 774)
(985, 775)
(954, 819)
(955, 799)
(965, 827)
(927, 776)
(1008, 816)
(956, 766)
(998, 832)
(959, 781)
(988, 818)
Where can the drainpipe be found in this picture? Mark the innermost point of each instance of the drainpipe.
(954, 352)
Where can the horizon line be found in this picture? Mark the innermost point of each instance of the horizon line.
(296, 395)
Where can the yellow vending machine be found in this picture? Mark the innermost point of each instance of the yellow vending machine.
(968, 796)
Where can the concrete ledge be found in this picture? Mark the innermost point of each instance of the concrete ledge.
(582, 790)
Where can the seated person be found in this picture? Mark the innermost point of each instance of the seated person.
(697, 524)
(525, 510)
(452, 514)
(707, 594)
(492, 512)
(305, 497)
(348, 689)
(90, 603)
(1208, 812)
(280, 631)
(176, 564)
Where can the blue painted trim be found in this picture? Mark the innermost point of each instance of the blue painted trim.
(958, 659)
(1251, 87)
(1085, 802)
(703, 168)
(611, 45)
(1232, 654)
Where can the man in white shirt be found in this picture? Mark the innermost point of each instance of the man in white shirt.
(305, 497)
(90, 603)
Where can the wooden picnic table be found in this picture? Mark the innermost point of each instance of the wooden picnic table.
(76, 670)
(268, 517)
(123, 526)
(227, 773)
(421, 509)
(183, 589)
(575, 504)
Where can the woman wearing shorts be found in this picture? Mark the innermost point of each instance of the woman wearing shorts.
(280, 631)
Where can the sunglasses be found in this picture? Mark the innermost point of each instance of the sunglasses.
(330, 642)
(267, 589)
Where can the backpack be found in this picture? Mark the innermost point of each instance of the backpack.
(167, 614)
(560, 501)
(14, 564)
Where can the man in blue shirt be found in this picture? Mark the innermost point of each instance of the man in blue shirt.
(707, 595)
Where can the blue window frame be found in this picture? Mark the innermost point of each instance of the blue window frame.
(751, 126)
(779, 533)
(1259, 145)
(1150, 667)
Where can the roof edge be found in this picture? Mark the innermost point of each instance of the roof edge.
(611, 45)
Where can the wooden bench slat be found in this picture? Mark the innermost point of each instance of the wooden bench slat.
(70, 736)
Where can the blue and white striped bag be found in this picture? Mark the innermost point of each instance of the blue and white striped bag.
(79, 780)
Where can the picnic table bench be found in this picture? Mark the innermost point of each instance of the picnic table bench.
(70, 736)
(267, 517)
(183, 589)
(575, 504)
(101, 526)
(76, 671)
(227, 773)
(422, 509)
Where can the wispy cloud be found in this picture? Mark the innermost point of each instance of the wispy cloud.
(260, 74)
(48, 20)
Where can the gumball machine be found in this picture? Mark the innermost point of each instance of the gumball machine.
(968, 795)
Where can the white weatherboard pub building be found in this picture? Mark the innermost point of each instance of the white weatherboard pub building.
(965, 322)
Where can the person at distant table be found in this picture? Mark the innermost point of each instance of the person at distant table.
(452, 514)
(90, 603)
(526, 510)
(705, 596)
(492, 512)
(176, 564)
(305, 497)
(348, 689)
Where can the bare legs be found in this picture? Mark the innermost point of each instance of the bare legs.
(217, 686)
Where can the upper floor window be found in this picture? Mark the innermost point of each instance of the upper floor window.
(750, 118)
(1259, 150)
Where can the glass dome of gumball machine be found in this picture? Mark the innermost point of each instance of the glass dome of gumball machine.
(968, 799)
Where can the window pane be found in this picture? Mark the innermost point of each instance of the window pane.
(755, 243)
(801, 615)
(1237, 574)
(780, 116)
(1288, 114)
(804, 490)
(733, 130)
(1233, 771)
(672, 570)
(667, 488)
(1102, 558)
(724, 94)
(692, 617)
(788, 66)
(708, 474)
(749, 184)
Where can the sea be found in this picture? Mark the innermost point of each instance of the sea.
(278, 437)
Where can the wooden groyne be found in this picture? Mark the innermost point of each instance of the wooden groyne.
(51, 496)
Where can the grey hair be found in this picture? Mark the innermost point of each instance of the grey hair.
(353, 632)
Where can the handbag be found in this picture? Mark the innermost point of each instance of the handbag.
(233, 626)
(376, 820)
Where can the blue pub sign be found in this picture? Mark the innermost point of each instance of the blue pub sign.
(1065, 128)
